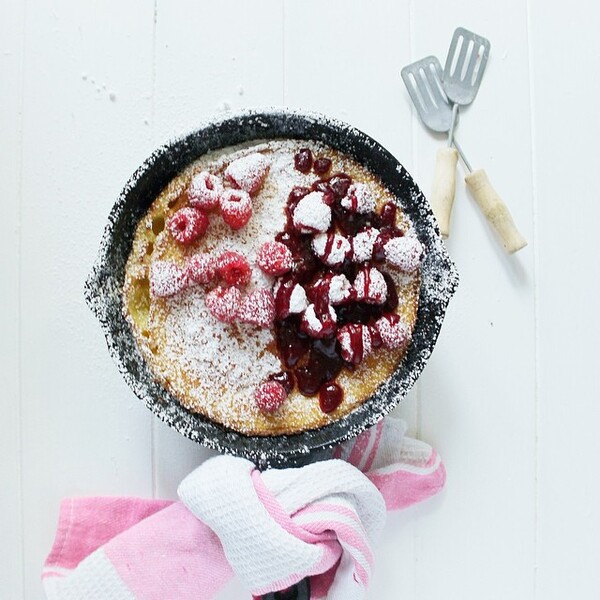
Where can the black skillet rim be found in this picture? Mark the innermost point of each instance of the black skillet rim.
(104, 284)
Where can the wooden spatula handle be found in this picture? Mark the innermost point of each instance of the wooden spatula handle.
(443, 188)
(495, 211)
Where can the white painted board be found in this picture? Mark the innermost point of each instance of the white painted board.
(509, 397)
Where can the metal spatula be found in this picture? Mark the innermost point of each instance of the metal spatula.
(423, 80)
(465, 64)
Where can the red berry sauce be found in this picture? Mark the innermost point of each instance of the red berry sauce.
(285, 378)
(324, 364)
(292, 344)
(387, 216)
(314, 364)
(330, 396)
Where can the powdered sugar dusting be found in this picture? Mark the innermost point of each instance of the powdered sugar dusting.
(201, 347)
(195, 347)
(166, 279)
(340, 289)
(248, 172)
(370, 286)
(312, 214)
(362, 244)
(404, 253)
(109, 290)
(218, 378)
(331, 248)
(359, 199)
(298, 300)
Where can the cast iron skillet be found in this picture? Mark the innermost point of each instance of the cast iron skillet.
(105, 282)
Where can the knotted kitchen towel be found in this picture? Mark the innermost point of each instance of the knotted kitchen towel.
(271, 529)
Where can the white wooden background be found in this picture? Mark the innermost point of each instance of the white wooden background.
(510, 397)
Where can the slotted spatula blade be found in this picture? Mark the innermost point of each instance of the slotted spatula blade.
(466, 61)
(423, 80)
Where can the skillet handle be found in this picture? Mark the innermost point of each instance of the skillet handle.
(300, 591)
(495, 211)
(443, 188)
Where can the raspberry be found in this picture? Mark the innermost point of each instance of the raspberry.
(331, 248)
(248, 173)
(376, 341)
(285, 378)
(362, 244)
(370, 286)
(318, 325)
(325, 189)
(201, 268)
(336, 288)
(330, 396)
(204, 191)
(404, 253)
(339, 185)
(290, 298)
(236, 208)
(355, 342)
(322, 165)
(233, 268)
(385, 235)
(387, 214)
(394, 333)
(358, 199)
(224, 303)
(269, 396)
(319, 289)
(303, 160)
(258, 308)
(274, 258)
(187, 225)
(329, 197)
(311, 214)
(167, 279)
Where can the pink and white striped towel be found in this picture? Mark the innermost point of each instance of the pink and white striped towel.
(271, 529)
